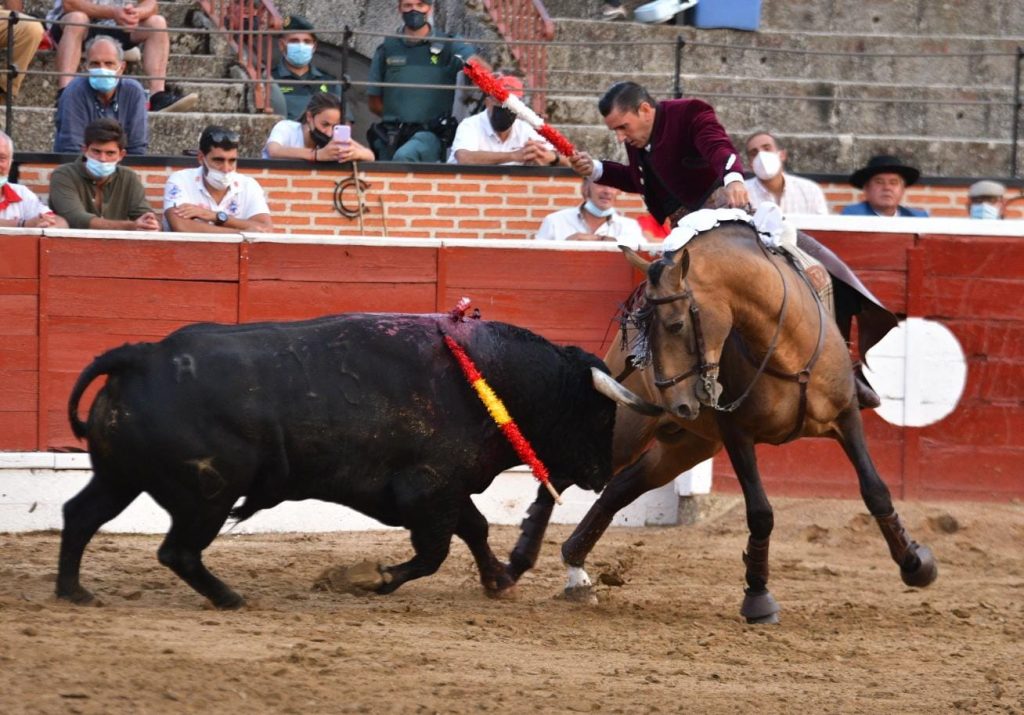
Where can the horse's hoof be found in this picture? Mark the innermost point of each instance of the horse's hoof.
(760, 607)
(926, 572)
(581, 594)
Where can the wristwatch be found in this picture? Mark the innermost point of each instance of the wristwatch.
(222, 218)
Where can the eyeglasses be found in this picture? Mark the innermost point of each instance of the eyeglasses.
(220, 136)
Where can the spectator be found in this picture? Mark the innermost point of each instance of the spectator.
(104, 93)
(298, 46)
(594, 220)
(28, 33)
(19, 207)
(986, 199)
(497, 136)
(792, 194)
(94, 191)
(884, 180)
(417, 123)
(129, 24)
(312, 138)
(213, 197)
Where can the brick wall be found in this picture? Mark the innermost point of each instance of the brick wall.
(445, 203)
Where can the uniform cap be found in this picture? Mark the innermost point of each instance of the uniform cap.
(297, 23)
(980, 189)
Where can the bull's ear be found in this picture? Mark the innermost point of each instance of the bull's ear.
(613, 390)
(635, 260)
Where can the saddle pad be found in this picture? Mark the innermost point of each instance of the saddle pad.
(816, 275)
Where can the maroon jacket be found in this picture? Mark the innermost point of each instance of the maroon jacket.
(689, 150)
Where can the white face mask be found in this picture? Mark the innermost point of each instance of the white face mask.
(218, 180)
(767, 165)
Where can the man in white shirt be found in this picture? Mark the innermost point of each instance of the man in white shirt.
(497, 136)
(19, 206)
(793, 194)
(213, 197)
(594, 220)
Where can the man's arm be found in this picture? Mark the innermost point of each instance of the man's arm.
(66, 201)
(135, 120)
(72, 118)
(374, 92)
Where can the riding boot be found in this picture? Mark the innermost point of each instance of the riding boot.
(867, 398)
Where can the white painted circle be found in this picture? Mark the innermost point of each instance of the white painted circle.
(919, 371)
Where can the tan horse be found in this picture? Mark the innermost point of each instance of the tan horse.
(741, 353)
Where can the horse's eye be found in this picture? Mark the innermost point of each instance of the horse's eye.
(675, 328)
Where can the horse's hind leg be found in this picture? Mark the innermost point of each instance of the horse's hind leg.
(759, 606)
(99, 502)
(916, 562)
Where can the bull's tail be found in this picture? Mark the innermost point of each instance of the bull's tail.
(111, 362)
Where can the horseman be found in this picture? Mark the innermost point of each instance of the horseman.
(681, 159)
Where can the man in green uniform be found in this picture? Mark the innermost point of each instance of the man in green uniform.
(298, 45)
(415, 120)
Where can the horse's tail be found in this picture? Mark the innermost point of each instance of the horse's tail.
(118, 360)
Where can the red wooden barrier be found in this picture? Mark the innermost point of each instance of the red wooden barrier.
(64, 300)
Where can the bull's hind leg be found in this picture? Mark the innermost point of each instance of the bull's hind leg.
(182, 551)
(759, 606)
(473, 529)
(97, 503)
(916, 562)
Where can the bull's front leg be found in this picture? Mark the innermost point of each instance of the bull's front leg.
(472, 528)
(524, 555)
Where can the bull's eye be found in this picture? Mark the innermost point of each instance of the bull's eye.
(675, 328)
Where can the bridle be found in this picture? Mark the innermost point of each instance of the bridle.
(708, 371)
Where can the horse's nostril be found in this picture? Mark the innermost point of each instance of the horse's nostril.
(684, 411)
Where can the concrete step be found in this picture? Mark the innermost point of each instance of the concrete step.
(936, 60)
(845, 111)
(841, 153)
(41, 90)
(917, 17)
(170, 134)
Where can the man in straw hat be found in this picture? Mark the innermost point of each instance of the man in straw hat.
(884, 180)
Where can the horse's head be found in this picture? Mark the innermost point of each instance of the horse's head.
(685, 340)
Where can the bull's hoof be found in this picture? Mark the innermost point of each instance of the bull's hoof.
(230, 601)
(499, 583)
(581, 594)
(78, 596)
(760, 607)
(925, 572)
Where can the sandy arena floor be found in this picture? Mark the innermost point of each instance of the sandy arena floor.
(853, 639)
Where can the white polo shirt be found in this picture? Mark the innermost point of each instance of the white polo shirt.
(475, 133)
(243, 199)
(559, 225)
(19, 203)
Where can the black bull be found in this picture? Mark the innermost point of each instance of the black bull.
(369, 411)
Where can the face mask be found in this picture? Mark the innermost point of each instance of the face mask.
(319, 138)
(767, 165)
(414, 19)
(100, 169)
(3, 181)
(983, 210)
(591, 208)
(102, 80)
(299, 54)
(502, 119)
(218, 180)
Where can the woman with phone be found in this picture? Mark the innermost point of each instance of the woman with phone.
(318, 136)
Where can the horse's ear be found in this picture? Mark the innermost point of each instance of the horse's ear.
(635, 260)
(681, 259)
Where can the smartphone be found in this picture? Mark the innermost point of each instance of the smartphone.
(342, 133)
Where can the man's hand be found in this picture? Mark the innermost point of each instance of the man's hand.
(588, 237)
(127, 17)
(194, 212)
(535, 153)
(736, 195)
(582, 163)
(44, 220)
(147, 222)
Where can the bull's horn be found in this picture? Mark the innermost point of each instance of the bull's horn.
(635, 260)
(613, 390)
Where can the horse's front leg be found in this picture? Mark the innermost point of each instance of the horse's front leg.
(759, 606)
(916, 562)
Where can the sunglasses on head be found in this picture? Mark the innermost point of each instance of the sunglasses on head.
(220, 136)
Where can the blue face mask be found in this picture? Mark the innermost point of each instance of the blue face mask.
(592, 208)
(102, 80)
(299, 54)
(983, 210)
(100, 169)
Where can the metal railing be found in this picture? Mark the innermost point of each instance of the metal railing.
(519, 20)
(244, 20)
